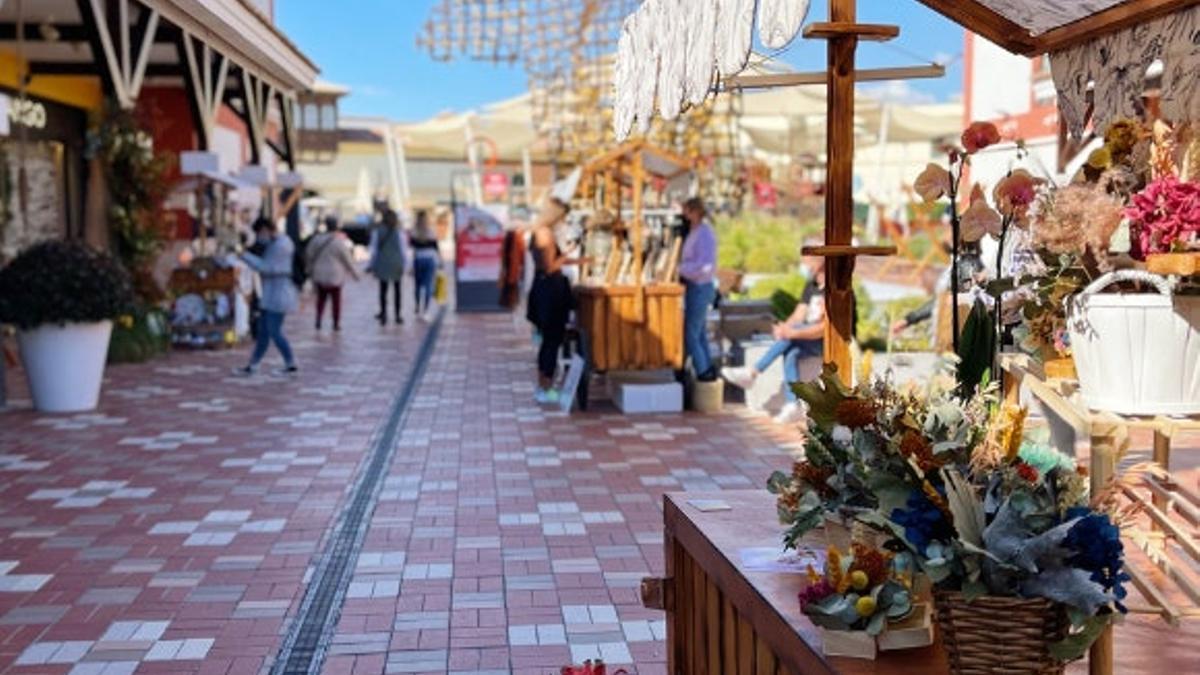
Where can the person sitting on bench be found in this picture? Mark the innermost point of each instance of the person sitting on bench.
(800, 337)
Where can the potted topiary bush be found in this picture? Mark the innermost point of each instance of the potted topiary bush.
(63, 297)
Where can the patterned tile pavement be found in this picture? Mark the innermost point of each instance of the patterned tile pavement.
(173, 530)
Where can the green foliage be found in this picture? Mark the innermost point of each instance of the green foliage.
(59, 282)
(761, 244)
(145, 336)
(875, 320)
(977, 347)
(136, 177)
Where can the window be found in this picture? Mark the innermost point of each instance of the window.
(328, 117)
(310, 117)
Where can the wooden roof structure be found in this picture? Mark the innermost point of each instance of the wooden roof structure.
(1033, 27)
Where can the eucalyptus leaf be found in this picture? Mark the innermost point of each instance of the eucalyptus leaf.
(1075, 645)
(1070, 586)
(877, 623)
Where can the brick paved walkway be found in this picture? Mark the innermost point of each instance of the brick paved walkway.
(173, 530)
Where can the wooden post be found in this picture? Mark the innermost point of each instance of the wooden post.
(839, 196)
(1108, 440)
(639, 187)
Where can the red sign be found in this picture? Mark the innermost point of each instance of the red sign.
(495, 185)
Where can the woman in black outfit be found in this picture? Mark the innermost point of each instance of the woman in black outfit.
(550, 298)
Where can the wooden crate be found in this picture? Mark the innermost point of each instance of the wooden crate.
(627, 331)
(724, 620)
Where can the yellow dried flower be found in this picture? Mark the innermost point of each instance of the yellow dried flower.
(1100, 159)
(866, 606)
(833, 570)
(1013, 430)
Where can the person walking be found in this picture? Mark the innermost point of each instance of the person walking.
(279, 295)
(388, 260)
(427, 258)
(800, 340)
(550, 299)
(329, 260)
(697, 267)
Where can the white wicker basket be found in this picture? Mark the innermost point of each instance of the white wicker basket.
(1137, 354)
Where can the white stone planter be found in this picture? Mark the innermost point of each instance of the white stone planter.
(65, 364)
(1137, 354)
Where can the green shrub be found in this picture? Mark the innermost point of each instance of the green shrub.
(145, 336)
(761, 244)
(60, 282)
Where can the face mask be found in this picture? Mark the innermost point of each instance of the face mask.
(262, 239)
(806, 271)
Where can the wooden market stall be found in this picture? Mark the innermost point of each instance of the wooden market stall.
(631, 302)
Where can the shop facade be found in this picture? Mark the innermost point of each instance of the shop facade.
(214, 77)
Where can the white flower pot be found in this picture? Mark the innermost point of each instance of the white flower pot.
(65, 364)
(1136, 354)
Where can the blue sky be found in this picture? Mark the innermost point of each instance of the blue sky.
(370, 46)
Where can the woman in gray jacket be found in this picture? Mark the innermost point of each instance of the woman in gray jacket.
(388, 254)
(279, 295)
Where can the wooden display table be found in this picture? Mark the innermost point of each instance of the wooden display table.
(723, 620)
(631, 328)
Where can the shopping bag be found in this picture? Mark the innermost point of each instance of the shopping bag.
(439, 287)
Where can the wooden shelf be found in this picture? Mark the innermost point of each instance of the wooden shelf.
(847, 251)
(870, 32)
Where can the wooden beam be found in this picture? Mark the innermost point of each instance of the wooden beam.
(870, 32)
(930, 71)
(839, 192)
(92, 26)
(1113, 19)
(847, 251)
(990, 24)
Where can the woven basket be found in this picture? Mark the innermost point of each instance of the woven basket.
(1000, 636)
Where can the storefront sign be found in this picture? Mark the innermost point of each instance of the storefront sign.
(495, 185)
(480, 238)
(26, 113)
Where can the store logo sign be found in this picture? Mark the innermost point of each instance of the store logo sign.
(26, 113)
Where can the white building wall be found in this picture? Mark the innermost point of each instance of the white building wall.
(1001, 82)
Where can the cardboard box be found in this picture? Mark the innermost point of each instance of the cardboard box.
(856, 644)
(647, 397)
(913, 632)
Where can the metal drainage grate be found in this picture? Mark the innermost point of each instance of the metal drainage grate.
(304, 648)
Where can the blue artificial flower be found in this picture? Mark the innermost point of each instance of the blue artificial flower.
(1095, 543)
(923, 521)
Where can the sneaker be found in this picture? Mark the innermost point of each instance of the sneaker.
(546, 396)
(244, 371)
(739, 377)
(791, 413)
(287, 370)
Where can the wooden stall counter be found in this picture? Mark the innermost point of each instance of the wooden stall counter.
(725, 620)
(631, 328)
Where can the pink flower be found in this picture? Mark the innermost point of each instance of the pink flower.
(979, 136)
(1165, 214)
(933, 183)
(1015, 193)
(815, 593)
(980, 219)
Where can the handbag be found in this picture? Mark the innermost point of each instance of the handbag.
(439, 287)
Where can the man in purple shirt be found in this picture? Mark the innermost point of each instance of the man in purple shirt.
(697, 265)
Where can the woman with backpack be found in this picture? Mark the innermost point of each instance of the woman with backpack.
(388, 261)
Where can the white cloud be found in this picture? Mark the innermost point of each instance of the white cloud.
(897, 91)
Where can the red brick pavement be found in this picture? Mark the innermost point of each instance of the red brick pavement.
(172, 530)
